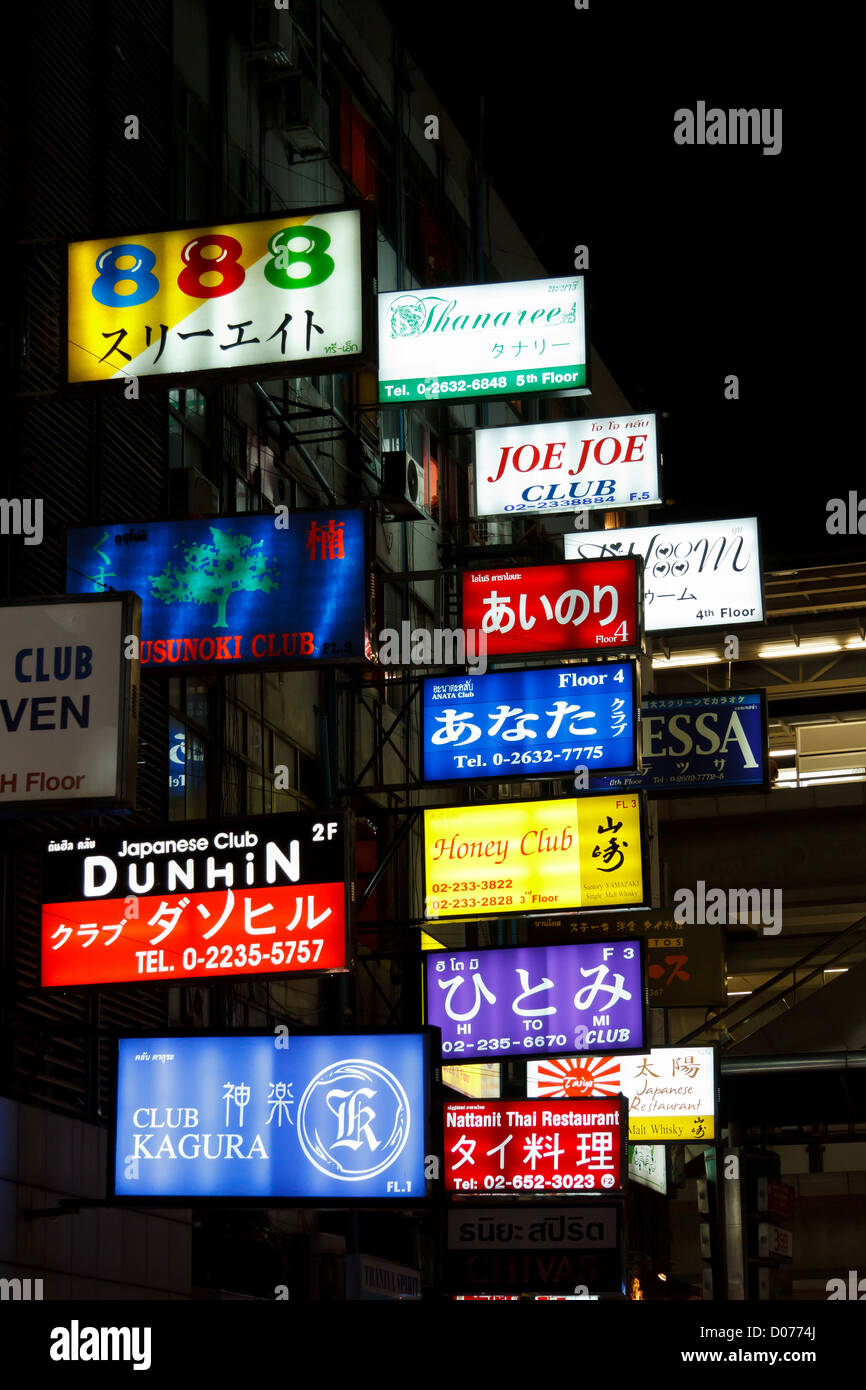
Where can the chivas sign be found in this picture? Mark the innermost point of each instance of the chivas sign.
(508, 1248)
(196, 899)
(566, 465)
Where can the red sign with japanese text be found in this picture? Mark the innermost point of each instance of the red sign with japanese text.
(536, 1146)
(577, 606)
(212, 901)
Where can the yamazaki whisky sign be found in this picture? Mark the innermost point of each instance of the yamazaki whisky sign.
(566, 465)
(196, 900)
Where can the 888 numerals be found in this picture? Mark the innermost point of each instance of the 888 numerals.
(211, 266)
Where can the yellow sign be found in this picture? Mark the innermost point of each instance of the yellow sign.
(533, 856)
(689, 1129)
(283, 291)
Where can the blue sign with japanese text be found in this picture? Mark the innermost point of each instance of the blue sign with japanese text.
(532, 1001)
(327, 1117)
(224, 591)
(699, 743)
(540, 723)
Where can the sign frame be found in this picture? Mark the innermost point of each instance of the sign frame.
(129, 700)
(210, 827)
(534, 772)
(667, 789)
(619, 650)
(455, 1262)
(365, 358)
(266, 664)
(270, 1200)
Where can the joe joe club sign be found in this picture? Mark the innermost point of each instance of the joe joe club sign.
(536, 1146)
(195, 899)
(582, 606)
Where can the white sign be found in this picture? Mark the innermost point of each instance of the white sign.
(696, 574)
(671, 1091)
(647, 1165)
(483, 340)
(567, 465)
(66, 731)
(774, 1240)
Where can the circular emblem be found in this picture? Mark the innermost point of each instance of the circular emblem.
(408, 315)
(607, 1180)
(353, 1120)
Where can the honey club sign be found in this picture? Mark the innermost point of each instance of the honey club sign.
(533, 856)
(578, 606)
(196, 900)
(564, 465)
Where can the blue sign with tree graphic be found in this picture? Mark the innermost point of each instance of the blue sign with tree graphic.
(246, 590)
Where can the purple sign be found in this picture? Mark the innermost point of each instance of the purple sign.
(537, 1001)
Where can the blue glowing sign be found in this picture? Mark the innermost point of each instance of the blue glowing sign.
(258, 1118)
(530, 723)
(235, 590)
(700, 743)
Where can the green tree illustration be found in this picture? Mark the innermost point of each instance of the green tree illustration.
(212, 573)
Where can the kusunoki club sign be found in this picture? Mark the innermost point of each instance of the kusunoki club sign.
(196, 900)
(537, 1000)
(533, 856)
(308, 1117)
(696, 574)
(566, 465)
(483, 340)
(536, 1146)
(578, 606)
(221, 592)
(291, 292)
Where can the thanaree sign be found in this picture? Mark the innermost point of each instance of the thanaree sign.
(483, 340)
(292, 293)
(567, 465)
(68, 704)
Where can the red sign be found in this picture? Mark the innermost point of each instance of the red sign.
(536, 1146)
(195, 900)
(776, 1197)
(578, 606)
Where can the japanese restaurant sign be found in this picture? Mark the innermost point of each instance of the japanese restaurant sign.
(536, 1146)
(467, 341)
(220, 593)
(533, 856)
(530, 723)
(193, 900)
(526, 1000)
(685, 964)
(326, 1118)
(699, 743)
(287, 293)
(671, 1092)
(696, 574)
(566, 465)
(570, 608)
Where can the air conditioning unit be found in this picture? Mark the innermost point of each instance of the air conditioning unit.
(272, 40)
(300, 113)
(403, 486)
(190, 493)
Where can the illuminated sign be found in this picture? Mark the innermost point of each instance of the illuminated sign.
(533, 856)
(221, 592)
(530, 723)
(483, 340)
(194, 900)
(671, 1091)
(543, 609)
(68, 705)
(482, 1079)
(567, 465)
(699, 743)
(685, 964)
(537, 1247)
(338, 1117)
(287, 293)
(526, 1000)
(696, 574)
(535, 1146)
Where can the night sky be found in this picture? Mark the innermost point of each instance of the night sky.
(703, 261)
